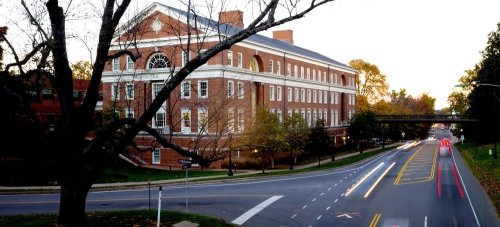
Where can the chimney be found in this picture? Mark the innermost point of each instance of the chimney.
(284, 35)
(234, 17)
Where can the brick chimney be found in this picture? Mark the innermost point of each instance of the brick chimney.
(234, 17)
(284, 35)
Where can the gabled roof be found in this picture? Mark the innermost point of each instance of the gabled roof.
(229, 30)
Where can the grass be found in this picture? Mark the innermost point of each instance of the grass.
(117, 218)
(484, 167)
(126, 173)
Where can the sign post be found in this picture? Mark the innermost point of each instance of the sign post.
(186, 164)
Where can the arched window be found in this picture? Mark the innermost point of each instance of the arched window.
(254, 65)
(158, 61)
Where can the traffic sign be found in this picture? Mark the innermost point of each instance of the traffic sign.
(187, 161)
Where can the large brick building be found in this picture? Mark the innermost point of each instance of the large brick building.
(258, 71)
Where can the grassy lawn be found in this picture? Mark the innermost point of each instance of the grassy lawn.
(127, 173)
(485, 168)
(116, 218)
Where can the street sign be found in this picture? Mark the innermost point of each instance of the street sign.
(186, 166)
(187, 161)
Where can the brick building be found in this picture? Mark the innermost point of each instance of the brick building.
(220, 98)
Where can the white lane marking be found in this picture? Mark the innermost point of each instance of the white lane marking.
(294, 215)
(342, 195)
(304, 207)
(379, 179)
(425, 221)
(392, 155)
(340, 180)
(465, 188)
(250, 213)
(335, 185)
(345, 177)
(314, 199)
(319, 217)
(336, 201)
(350, 174)
(329, 189)
(328, 208)
(322, 194)
(363, 179)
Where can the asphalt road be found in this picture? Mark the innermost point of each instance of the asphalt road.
(414, 186)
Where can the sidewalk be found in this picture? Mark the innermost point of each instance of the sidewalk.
(178, 181)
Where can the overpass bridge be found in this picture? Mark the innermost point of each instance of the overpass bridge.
(435, 118)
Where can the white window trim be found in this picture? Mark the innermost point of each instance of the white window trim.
(241, 120)
(129, 96)
(279, 93)
(230, 89)
(129, 60)
(240, 60)
(129, 111)
(199, 89)
(230, 120)
(115, 64)
(186, 129)
(202, 126)
(230, 58)
(188, 82)
(289, 94)
(241, 90)
(271, 93)
(271, 66)
(115, 92)
(153, 160)
(278, 67)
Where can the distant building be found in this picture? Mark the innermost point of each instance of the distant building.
(258, 71)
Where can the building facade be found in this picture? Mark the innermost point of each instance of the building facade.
(220, 98)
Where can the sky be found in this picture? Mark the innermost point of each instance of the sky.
(420, 45)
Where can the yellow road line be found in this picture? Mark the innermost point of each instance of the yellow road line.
(431, 176)
(375, 220)
(396, 182)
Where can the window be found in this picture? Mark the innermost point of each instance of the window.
(336, 118)
(331, 78)
(202, 120)
(308, 73)
(315, 96)
(241, 120)
(315, 117)
(288, 69)
(278, 68)
(309, 118)
(115, 92)
(308, 96)
(240, 60)
(320, 115)
(325, 97)
(279, 93)
(156, 156)
(160, 115)
(303, 114)
(202, 89)
(297, 97)
(241, 90)
(332, 117)
(230, 89)
(230, 58)
(185, 57)
(295, 71)
(279, 115)
(129, 113)
(336, 98)
(186, 89)
(116, 64)
(129, 91)
(325, 116)
(303, 95)
(185, 121)
(230, 120)
(290, 112)
(320, 97)
(158, 61)
(271, 93)
(130, 63)
(289, 95)
(301, 72)
(271, 66)
(314, 74)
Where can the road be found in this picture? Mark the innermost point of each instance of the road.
(414, 186)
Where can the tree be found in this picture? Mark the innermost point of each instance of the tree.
(363, 125)
(318, 140)
(296, 135)
(3, 32)
(484, 100)
(372, 84)
(80, 160)
(82, 70)
(265, 136)
(458, 102)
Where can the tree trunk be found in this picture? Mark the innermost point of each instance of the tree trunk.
(72, 203)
